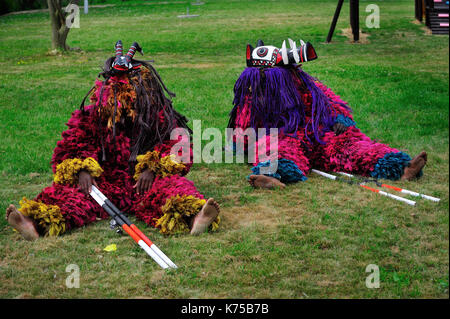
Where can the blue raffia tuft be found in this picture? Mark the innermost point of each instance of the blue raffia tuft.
(345, 120)
(287, 171)
(391, 166)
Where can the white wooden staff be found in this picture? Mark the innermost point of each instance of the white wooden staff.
(401, 190)
(401, 199)
(146, 244)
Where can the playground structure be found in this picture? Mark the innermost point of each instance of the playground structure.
(354, 19)
(435, 13)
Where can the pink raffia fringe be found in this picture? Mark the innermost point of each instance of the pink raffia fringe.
(352, 152)
(289, 147)
(82, 139)
(148, 206)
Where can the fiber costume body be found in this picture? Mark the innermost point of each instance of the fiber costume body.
(123, 132)
(279, 94)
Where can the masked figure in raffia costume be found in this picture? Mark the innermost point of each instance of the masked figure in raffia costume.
(121, 142)
(315, 127)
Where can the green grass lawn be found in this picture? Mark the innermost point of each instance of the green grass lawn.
(310, 240)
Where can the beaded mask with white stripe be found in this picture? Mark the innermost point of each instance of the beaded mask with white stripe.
(268, 55)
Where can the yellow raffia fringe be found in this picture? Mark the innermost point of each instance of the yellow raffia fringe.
(48, 217)
(149, 160)
(166, 166)
(170, 166)
(175, 209)
(215, 224)
(67, 171)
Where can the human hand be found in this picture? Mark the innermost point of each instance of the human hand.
(144, 182)
(85, 181)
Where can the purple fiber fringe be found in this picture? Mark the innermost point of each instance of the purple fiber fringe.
(276, 101)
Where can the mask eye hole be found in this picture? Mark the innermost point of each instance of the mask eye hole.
(262, 52)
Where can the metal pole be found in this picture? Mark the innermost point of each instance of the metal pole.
(335, 18)
(86, 5)
(354, 18)
(419, 10)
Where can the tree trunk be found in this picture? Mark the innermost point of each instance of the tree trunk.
(58, 22)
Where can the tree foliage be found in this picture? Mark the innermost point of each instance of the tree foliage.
(19, 5)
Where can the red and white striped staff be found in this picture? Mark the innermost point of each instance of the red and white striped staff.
(146, 244)
(401, 199)
(401, 190)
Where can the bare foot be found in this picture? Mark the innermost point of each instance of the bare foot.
(264, 181)
(24, 225)
(416, 164)
(206, 216)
